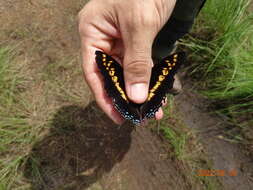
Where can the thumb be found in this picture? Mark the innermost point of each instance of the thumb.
(137, 66)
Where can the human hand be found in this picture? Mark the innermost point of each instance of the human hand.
(125, 30)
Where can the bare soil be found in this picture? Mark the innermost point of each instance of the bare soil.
(82, 148)
(214, 134)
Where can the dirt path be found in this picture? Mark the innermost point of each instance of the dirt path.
(84, 150)
(146, 166)
(212, 132)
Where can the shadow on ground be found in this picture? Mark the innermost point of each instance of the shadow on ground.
(81, 146)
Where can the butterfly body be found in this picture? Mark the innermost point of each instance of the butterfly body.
(162, 79)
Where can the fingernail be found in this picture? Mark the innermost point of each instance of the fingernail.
(138, 92)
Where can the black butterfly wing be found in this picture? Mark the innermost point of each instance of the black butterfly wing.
(162, 79)
(115, 87)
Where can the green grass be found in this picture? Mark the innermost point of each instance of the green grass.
(173, 130)
(23, 120)
(15, 132)
(28, 102)
(222, 50)
(7, 83)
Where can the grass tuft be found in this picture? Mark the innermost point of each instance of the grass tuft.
(223, 36)
(173, 130)
(15, 132)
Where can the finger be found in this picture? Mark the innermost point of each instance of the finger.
(105, 103)
(159, 114)
(95, 81)
(165, 102)
(91, 40)
(137, 69)
(138, 31)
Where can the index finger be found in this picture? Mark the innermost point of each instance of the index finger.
(95, 82)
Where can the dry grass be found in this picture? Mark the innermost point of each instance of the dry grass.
(40, 74)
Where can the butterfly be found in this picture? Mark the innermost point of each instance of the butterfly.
(161, 82)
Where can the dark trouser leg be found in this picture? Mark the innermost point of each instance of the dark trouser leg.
(177, 26)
